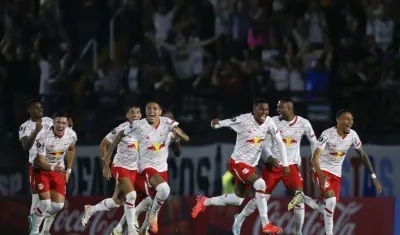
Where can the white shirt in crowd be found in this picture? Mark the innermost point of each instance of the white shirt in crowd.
(222, 10)
(45, 72)
(382, 31)
(315, 23)
(162, 24)
(268, 55)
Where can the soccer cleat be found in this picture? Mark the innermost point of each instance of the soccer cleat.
(145, 225)
(44, 233)
(297, 199)
(199, 206)
(30, 223)
(86, 216)
(153, 223)
(236, 226)
(271, 229)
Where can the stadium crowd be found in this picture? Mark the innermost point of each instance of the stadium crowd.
(201, 59)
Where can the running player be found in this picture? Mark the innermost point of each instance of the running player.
(292, 129)
(126, 149)
(252, 129)
(152, 134)
(52, 145)
(327, 161)
(28, 132)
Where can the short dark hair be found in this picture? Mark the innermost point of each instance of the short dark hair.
(286, 100)
(259, 101)
(32, 101)
(153, 101)
(60, 114)
(129, 107)
(342, 111)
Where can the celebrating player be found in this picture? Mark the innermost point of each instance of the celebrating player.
(292, 129)
(251, 129)
(153, 134)
(126, 151)
(50, 175)
(327, 161)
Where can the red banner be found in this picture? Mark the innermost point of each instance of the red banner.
(352, 217)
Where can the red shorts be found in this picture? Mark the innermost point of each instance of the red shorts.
(150, 172)
(31, 176)
(120, 172)
(274, 175)
(241, 171)
(141, 185)
(332, 184)
(50, 180)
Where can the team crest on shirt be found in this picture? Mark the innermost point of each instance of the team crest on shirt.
(38, 145)
(114, 131)
(321, 139)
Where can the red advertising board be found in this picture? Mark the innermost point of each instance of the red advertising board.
(357, 216)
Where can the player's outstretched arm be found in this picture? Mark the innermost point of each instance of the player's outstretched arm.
(113, 146)
(367, 163)
(181, 134)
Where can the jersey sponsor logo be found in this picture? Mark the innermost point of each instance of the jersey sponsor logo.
(157, 147)
(289, 141)
(256, 141)
(338, 154)
(134, 145)
(57, 154)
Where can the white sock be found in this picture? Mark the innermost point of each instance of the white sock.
(330, 204)
(34, 203)
(314, 204)
(262, 205)
(144, 205)
(145, 225)
(52, 211)
(129, 210)
(39, 214)
(121, 223)
(163, 191)
(226, 199)
(104, 205)
(299, 213)
(247, 210)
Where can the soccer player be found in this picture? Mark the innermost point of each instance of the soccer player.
(292, 129)
(51, 177)
(152, 133)
(252, 129)
(28, 132)
(127, 150)
(327, 161)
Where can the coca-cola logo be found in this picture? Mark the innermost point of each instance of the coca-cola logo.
(68, 221)
(314, 223)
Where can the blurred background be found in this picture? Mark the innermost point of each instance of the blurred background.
(201, 59)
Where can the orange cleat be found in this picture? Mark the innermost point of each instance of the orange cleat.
(153, 223)
(199, 206)
(271, 229)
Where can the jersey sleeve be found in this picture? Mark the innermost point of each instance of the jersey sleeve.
(23, 131)
(356, 141)
(322, 140)
(273, 129)
(310, 134)
(131, 128)
(171, 123)
(233, 123)
(74, 137)
(112, 134)
(40, 144)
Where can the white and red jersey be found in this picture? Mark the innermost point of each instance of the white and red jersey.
(292, 132)
(153, 142)
(26, 129)
(250, 137)
(127, 150)
(54, 147)
(334, 149)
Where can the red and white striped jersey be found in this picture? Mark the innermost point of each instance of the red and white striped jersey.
(334, 149)
(250, 137)
(153, 142)
(28, 127)
(127, 150)
(292, 132)
(53, 147)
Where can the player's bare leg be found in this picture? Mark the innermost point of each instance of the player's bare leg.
(163, 190)
(129, 207)
(105, 205)
(50, 203)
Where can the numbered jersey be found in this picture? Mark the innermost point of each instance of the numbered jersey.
(127, 150)
(153, 142)
(292, 133)
(26, 129)
(334, 149)
(250, 137)
(54, 147)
